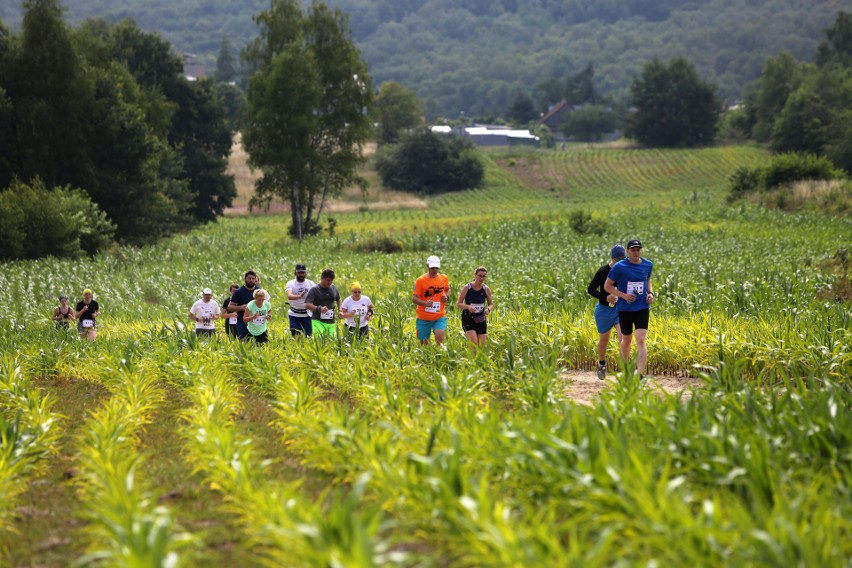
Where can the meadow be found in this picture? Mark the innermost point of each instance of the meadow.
(150, 447)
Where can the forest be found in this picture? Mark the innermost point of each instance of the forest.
(474, 57)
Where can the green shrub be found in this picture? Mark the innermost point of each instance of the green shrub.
(37, 222)
(743, 181)
(785, 169)
(430, 163)
(583, 223)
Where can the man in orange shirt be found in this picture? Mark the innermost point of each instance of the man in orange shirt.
(431, 293)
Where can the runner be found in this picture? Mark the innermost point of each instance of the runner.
(431, 294)
(357, 310)
(606, 316)
(630, 280)
(321, 301)
(297, 290)
(476, 303)
(87, 313)
(63, 313)
(240, 299)
(230, 319)
(258, 312)
(204, 313)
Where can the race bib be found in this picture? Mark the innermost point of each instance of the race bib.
(478, 307)
(360, 311)
(259, 320)
(233, 320)
(88, 323)
(434, 308)
(635, 288)
(327, 315)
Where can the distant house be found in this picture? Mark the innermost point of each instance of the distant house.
(192, 70)
(555, 116)
(491, 135)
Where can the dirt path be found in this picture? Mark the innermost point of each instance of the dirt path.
(585, 386)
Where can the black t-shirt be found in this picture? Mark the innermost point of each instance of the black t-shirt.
(320, 296)
(87, 315)
(596, 286)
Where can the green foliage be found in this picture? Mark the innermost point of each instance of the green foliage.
(780, 174)
(583, 223)
(522, 110)
(305, 122)
(62, 222)
(397, 110)
(427, 162)
(226, 64)
(674, 106)
(836, 48)
(590, 123)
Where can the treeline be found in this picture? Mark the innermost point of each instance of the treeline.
(475, 56)
(103, 112)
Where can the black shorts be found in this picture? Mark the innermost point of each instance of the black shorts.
(628, 320)
(362, 331)
(230, 329)
(481, 328)
(204, 332)
(262, 338)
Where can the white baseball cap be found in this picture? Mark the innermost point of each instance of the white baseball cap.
(433, 262)
(207, 291)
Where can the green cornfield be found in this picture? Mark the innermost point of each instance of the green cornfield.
(152, 447)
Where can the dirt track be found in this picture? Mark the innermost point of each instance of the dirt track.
(585, 386)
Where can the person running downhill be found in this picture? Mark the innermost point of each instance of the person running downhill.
(258, 312)
(204, 313)
(87, 313)
(321, 301)
(230, 319)
(630, 280)
(476, 303)
(357, 310)
(431, 294)
(63, 314)
(606, 315)
(240, 299)
(297, 290)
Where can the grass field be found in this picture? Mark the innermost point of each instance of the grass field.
(149, 447)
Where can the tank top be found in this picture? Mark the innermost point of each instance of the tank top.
(475, 296)
(66, 314)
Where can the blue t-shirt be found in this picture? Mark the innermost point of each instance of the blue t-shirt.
(633, 279)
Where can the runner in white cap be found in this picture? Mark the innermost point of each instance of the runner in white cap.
(204, 313)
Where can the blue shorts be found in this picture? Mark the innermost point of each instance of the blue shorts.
(605, 317)
(426, 327)
(301, 325)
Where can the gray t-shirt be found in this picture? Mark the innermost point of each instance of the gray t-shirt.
(327, 297)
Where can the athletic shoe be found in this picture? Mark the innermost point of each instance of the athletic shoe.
(601, 371)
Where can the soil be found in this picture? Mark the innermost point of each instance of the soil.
(585, 386)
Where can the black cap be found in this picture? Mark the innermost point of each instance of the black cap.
(634, 243)
(301, 267)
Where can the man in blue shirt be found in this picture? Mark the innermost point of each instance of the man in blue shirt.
(630, 280)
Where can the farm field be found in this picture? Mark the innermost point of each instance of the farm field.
(150, 447)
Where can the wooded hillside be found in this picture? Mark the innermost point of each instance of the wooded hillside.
(476, 55)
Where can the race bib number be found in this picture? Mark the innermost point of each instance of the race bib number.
(360, 311)
(635, 288)
(434, 308)
(259, 320)
(88, 323)
(478, 307)
(327, 315)
(233, 320)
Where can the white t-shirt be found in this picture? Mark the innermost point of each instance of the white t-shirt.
(360, 307)
(204, 312)
(297, 307)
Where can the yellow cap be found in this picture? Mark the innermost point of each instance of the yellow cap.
(355, 285)
(87, 291)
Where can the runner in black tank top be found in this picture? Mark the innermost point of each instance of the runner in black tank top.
(475, 303)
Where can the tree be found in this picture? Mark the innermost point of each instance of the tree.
(226, 67)
(397, 109)
(589, 123)
(781, 76)
(674, 106)
(837, 46)
(580, 88)
(307, 109)
(522, 109)
(427, 162)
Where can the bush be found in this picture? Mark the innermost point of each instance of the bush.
(583, 223)
(37, 222)
(785, 169)
(743, 181)
(430, 163)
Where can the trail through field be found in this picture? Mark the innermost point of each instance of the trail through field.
(585, 386)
